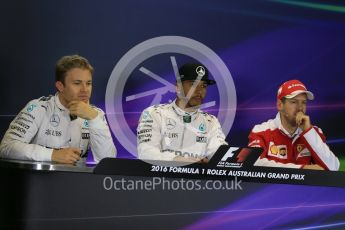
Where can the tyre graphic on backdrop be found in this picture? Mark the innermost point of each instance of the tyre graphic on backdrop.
(127, 98)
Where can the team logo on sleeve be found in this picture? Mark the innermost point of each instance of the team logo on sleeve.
(146, 115)
(30, 108)
(254, 143)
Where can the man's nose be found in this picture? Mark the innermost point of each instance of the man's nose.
(300, 107)
(198, 90)
(83, 87)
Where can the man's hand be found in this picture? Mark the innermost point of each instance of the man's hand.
(66, 156)
(191, 159)
(303, 121)
(204, 161)
(185, 159)
(82, 110)
(314, 167)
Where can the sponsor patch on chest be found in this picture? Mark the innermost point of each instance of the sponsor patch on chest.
(54, 133)
(279, 151)
(302, 151)
(201, 139)
(85, 135)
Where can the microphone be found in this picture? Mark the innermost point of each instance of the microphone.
(73, 117)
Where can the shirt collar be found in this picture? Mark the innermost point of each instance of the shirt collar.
(181, 112)
(278, 123)
(58, 103)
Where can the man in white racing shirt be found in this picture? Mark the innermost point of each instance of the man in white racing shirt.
(180, 131)
(61, 128)
(290, 140)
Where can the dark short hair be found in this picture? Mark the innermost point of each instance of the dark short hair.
(67, 63)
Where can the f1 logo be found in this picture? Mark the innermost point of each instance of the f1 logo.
(230, 153)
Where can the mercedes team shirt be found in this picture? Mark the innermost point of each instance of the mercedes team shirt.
(166, 131)
(45, 124)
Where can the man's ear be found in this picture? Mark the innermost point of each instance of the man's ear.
(59, 85)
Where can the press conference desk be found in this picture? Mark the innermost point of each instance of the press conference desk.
(80, 166)
(55, 196)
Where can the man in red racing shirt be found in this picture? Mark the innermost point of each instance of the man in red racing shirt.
(290, 140)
